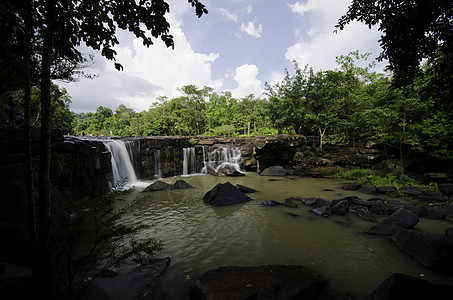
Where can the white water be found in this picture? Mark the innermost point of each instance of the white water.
(224, 157)
(157, 165)
(189, 161)
(122, 167)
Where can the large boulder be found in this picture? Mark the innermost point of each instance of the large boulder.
(225, 194)
(401, 219)
(274, 171)
(399, 286)
(156, 186)
(432, 251)
(340, 208)
(264, 282)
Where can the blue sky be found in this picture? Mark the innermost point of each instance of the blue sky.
(238, 46)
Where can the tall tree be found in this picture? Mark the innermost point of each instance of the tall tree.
(412, 30)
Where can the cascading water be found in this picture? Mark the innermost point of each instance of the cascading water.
(157, 165)
(189, 165)
(223, 157)
(122, 167)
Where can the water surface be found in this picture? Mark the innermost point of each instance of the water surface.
(199, 237)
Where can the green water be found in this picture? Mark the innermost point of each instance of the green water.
(199, 237)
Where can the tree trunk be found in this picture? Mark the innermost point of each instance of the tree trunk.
(403, 131)
(321, 136)
(31, 205)
(42, 274)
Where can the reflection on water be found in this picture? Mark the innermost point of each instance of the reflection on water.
(199, 237)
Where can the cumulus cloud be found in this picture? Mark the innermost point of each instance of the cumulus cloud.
(228, 15)
(251, 29)
(247, 83)
(148, 73)
(320, 45)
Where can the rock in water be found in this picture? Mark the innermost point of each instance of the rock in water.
(399, 286)
(264, 282)
(274, 171)
(180, 184)
(432, 251)
(156, 186)
(225, 194)
(401, 219)
(245, 189)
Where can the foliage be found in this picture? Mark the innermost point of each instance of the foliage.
(411, 31)
(92, 239)
(368, 177)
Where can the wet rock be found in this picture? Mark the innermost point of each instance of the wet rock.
(274, 171)
(449, 233)
(410, 191)
(108, 273)
(418, 210)
(446, 188)
(322, 171)
(388, 190)
(292, 215)
(399, 286)
(236, 173)
(225, 194)
(429, 196)
(432, 251)
(264, 282)
(270, 203)
(340, 208)
(322, 202)
(352, 186)
(309, 201)
(322, 211)
(156, 186)
(435, 212)
(377, 206)
(289, 202)
(364, 214)
(371, 189)
(401, 219)
(448, 213)
(245, 189)
(180, 184)
(153, 291)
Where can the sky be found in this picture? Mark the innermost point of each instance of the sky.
(238, 46)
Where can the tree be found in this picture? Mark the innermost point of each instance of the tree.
(58, 27)
(412, 30)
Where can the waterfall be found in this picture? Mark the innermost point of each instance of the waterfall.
(122, 166)
(224, 157)
(189, 161)
(157, 165)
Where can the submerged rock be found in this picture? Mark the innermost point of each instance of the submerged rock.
(264, 282)
(400, 286)
(289, 202)
(225, 194)
(270, 203)
(245, 189)
(352, 186)
(432, 251)
(401, 219)
(156, 186)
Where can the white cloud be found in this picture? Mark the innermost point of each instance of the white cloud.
(251, 29)
(228, 15)
(247, 83)
(148, 73)
(320, 45)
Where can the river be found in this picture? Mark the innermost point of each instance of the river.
(198, 237)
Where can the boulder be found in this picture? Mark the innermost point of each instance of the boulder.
(245, 189)
(180, 184)
(418, 210)
(435, 212)
(429, 196)
(446, 188)
(322, 202)
(322, 211)
(263, 282)
(309, 201)
(401, 219)
(448, 213)
(352, 186)
(388, 190)
(274, 171)
(270, 203)
(400, 286)
(364, 214)
(361, 202)
(410, 191)
(225, 194)
(156, 186)
(432, 251)
(377, 206)
(371, 189)
(449, 233)
(289, 202)
(340, 208)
